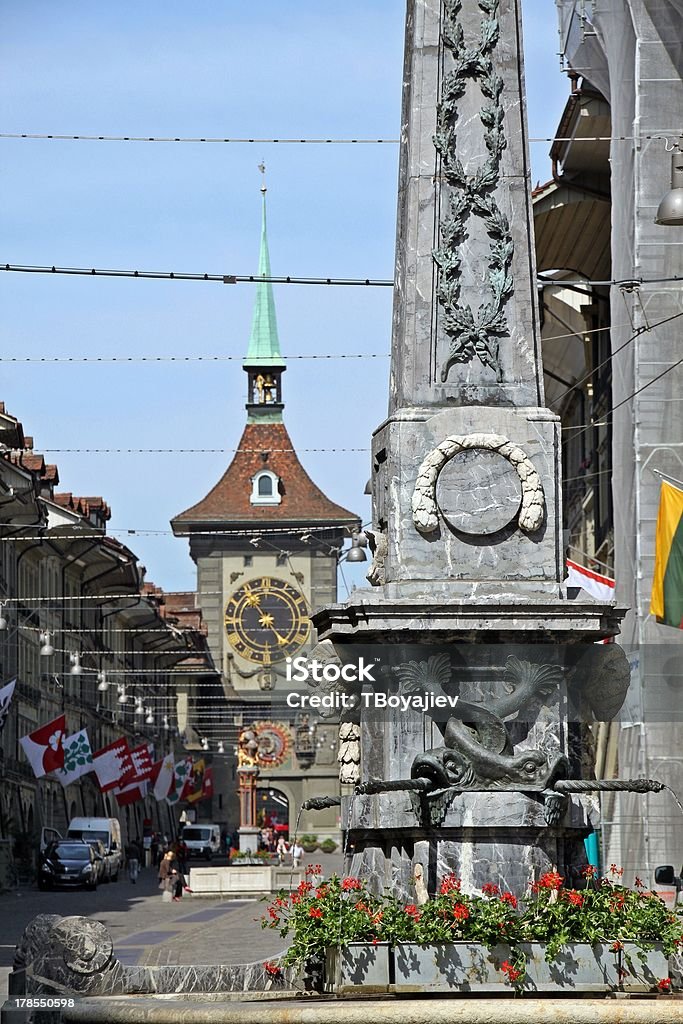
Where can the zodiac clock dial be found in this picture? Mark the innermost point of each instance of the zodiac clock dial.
(266, 620)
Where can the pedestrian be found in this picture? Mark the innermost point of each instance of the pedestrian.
(297, 853)
(133, 859)
(166, 883)
(281, 850)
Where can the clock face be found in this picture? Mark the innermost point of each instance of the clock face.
(266, 620)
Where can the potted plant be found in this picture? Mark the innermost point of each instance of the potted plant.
(309, 843)
(604, 937)
(336, 923)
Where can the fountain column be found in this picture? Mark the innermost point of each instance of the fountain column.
(467, 594)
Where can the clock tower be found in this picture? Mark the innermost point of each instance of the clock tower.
(266, 543)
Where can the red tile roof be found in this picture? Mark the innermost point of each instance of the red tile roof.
(265, 446)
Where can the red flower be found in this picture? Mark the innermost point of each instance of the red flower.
(363, 907)
(303, 888)
(664, 984)
(573, 897)
(616, 946)
(614, 870)
(322, 892)
(451, 883)
(617, 902)
(412, 911)
(349, 884)
(639, 884)
(489, 889)
(314, 869)
(273, 914)
(590, 871)
(508, 897)
(512, 973)
(315, 912)
(550, 880)
(460, 912)
(272, 968)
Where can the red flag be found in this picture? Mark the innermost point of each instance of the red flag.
(113, 765)
(130, 794)
(142, 760)
(45, 746)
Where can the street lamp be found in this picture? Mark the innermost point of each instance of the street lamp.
(356, 552)
(46, 649)
(102, 682)
(76, 668)
(670, 210)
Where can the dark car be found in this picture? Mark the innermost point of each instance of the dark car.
(68, 863)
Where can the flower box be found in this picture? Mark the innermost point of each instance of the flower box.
(644, 968)
(360, 966)
(470, 967)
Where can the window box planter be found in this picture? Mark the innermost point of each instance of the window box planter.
(360, 966)
(470, 967)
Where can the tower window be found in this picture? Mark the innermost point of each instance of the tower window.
(265, 489)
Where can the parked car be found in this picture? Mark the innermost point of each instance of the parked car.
(665, 875)
(68, 863)
(108, 831)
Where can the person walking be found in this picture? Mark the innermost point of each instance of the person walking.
(281, 850)
(297, 853)
(133, 859)
(166, 882)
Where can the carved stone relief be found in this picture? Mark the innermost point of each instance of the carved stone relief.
(424, 505)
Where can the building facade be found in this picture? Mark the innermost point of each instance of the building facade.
(85, 636)
(620, 372)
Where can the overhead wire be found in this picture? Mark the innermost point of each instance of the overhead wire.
(235, 140)
(187, 359)
(171, 275)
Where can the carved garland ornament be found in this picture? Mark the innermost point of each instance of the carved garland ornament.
(472, 334)
(425, 513)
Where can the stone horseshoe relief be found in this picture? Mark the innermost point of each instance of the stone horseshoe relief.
(425, 511)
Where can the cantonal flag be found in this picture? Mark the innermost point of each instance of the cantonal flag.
(77, 758)
(181, 771)
(162, 776)
(45, 747)
(113, 765)
(666, 602)
(130, 794)
(143, 760)
(207, 784)
(192, 790)
(598, 586)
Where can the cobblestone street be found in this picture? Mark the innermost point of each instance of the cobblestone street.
(147, 931)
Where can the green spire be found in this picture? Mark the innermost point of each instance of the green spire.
(264, 344)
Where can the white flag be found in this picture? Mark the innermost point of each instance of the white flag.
(164, 777)
(77, 758)
(5, 701)
(598, 586)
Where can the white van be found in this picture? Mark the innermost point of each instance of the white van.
(108, 831)
(202, 840)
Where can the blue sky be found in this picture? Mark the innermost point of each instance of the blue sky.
(215, 69)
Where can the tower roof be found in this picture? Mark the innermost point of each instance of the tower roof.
(264, 344)
(264, 446)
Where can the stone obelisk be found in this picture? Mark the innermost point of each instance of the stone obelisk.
(469, 563)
